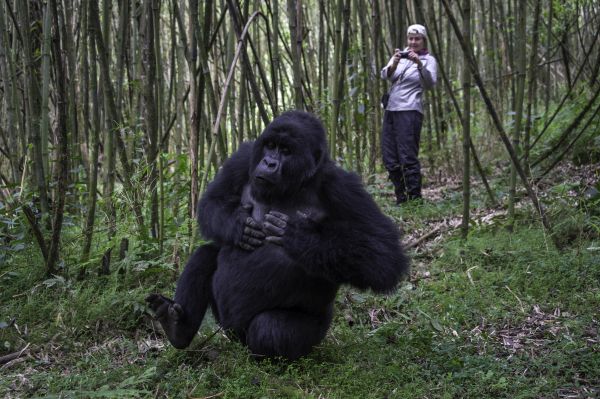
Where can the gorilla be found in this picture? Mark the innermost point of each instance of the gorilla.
(286, 227)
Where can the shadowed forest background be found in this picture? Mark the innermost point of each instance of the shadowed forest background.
(114, 116)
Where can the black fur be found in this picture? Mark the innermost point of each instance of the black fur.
(288, 227)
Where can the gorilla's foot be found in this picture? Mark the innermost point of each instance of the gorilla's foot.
(171, 317)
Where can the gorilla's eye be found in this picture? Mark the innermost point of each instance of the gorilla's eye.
(270, 145)
(284, 150)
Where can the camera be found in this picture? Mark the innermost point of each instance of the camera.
(403, 54)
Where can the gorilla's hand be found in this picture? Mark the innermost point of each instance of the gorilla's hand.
(274, 226)
(252, 235)
(278, 224)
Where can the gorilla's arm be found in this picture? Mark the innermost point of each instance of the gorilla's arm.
(220, 216)
(355, 243)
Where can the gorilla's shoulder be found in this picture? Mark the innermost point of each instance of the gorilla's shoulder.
(343, 190)
(240, 160)
(242, 156)
(334, 176)
(234, 173)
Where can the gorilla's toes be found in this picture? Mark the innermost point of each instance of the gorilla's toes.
(158, 303)
(175, 312)
(170, 316)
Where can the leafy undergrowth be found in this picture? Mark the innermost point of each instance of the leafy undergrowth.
(505, 314)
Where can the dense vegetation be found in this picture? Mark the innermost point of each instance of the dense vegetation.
(503, 315)
(114, 115)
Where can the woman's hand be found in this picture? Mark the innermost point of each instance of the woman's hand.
(414, 57)
(396, 56)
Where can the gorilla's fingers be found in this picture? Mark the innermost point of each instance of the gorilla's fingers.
(251, 241)
(275, 224)
(252, 235)
(278, 219)
(302, 215)
(159, 304)
(274, 240)
(245, 246)
(251, 232)
(278, 215)
(309, 217)
(252, 223)
(152, 299)
(175, 311)
(273, 230)
(155, 300)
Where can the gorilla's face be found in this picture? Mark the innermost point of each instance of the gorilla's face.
(287, 154)
(275, 154)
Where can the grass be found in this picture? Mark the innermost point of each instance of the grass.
(504, 314)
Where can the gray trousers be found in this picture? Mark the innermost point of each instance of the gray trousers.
(400, 149)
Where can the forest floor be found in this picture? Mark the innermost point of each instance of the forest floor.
(511, 312)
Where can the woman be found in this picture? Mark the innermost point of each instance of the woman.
(411, 71)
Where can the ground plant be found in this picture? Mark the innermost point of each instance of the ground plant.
(503, 314)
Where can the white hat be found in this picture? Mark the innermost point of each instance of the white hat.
(417, 29)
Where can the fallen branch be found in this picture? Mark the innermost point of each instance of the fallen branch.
(423, 238)
(12, 356)
(450, 224)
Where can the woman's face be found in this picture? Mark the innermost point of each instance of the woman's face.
(416, 42)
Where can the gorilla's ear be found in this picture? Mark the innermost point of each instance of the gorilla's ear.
(321, 156)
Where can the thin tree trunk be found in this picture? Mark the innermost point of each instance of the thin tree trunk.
(109, 144)
(32, 114)
(9, 78)
(466, 123)
(62, 146)
(150, 111)
(532, 84)
(295, 16)
(45, 117)
(520, 63)
(160, 113)
(95, 136)
(376, 86)
(276, 58)
(323, 55)
(343, 15)
(191, 43)
(548, 67)
(66, 17)
(121, 48)
(337, 77)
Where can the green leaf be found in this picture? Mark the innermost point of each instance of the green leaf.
(436, 325)
(358, 298)
(17, 247)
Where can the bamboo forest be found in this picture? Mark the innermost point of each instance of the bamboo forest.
(235, 156)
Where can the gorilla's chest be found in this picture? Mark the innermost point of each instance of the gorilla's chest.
(247, 282)
(308, 205)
